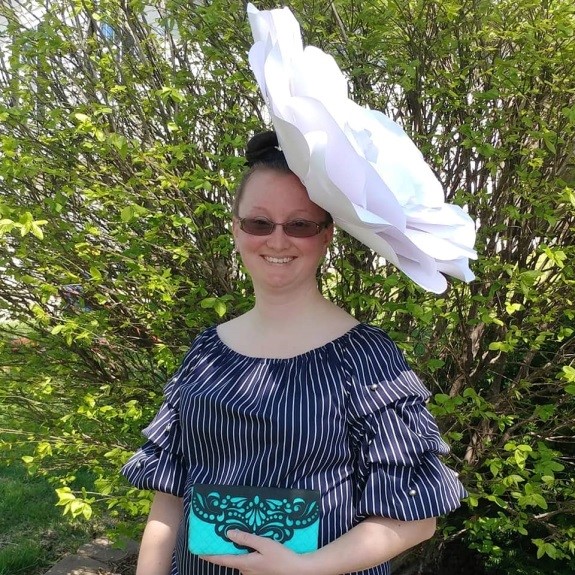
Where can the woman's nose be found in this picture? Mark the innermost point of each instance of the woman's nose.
(278, 239)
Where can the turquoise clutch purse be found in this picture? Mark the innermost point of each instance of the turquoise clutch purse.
(289, 516)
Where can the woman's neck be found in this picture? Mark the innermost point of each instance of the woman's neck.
(285, 327)
(272, 307)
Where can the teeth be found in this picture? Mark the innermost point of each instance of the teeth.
(277, 260)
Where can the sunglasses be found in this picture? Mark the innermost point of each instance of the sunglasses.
(293, 228)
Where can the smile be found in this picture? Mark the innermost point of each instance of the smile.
(273, 260)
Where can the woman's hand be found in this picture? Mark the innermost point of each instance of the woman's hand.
(268, 558)
(373, 541)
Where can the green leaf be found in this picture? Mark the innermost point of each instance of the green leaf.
(208, 302)
(220, 308)
(472, 501)
(37, 230)
(96, 274)
(511, 308)
(127, 214)
(65, 496)
(83, 118)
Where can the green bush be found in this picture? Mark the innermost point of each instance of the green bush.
(120, 141)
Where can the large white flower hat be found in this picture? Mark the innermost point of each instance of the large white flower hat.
(357, 163)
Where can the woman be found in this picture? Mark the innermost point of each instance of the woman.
(294, 393)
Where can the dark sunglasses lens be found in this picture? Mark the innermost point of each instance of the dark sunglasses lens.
(257, 227)
(301, 229)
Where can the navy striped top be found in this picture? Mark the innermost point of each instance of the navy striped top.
(347, 419)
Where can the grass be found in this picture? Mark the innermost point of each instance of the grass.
(33, 532)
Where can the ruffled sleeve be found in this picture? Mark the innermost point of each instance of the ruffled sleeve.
(159, 464)
(400, 474)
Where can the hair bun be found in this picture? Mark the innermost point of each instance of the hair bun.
(263, 148)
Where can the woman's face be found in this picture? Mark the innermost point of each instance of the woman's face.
(278, 260)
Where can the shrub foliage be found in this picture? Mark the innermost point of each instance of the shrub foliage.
(121, 130)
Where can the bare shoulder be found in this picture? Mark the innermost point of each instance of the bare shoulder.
(336, 320)
(229, 329)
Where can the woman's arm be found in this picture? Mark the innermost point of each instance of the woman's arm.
(375, 540)
(160, 534)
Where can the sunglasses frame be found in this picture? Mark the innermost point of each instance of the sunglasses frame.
(319, 227)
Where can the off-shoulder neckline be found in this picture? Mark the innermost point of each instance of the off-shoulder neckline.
(320, 349)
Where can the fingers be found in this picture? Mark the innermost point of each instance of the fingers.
(265, 559)
(250, 540)
(238, 561)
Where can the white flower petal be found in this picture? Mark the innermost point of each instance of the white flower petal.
(357, 163)
(434, 246)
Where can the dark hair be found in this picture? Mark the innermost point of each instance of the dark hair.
(263, 149)
(262, 152)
